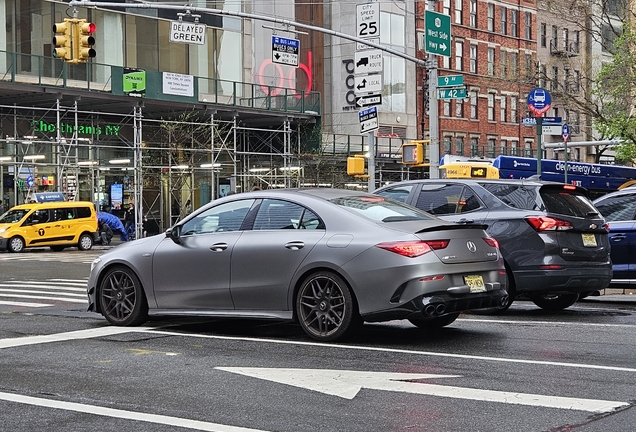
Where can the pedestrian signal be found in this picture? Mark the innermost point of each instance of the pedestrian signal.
(355, 165)
(413, 153)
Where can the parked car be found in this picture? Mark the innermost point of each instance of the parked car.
(554, 242)
(327, 258)
(619, 210)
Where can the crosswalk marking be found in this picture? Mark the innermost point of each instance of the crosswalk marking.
(77, 257)
(57, 290)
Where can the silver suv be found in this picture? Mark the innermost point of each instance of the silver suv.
(553, 240)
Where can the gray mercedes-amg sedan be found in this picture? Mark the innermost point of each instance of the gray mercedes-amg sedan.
(329, 259)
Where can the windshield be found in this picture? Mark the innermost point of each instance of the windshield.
(382, 209)
(13, 216)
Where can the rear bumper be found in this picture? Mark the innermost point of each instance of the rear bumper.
(440, 303)
(4, 243)
(567, 280)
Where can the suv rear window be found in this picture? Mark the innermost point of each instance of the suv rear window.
(566, 202)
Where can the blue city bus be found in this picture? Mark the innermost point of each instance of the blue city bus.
(597, 178)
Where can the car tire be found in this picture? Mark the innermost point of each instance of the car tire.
(121, 297)
(554, 302)
(16, 244)
(434, 323)
(57, 248)
(85, 242)
(325, 307)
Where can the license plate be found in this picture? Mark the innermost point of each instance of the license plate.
(475, 283)
(589, 240)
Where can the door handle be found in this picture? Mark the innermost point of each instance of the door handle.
(618, 237)
(295, 245)
(218, 247)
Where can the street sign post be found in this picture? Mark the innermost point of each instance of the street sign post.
(369, 100)
(539, 101)
(368, 119)
(450, 81)
(565, 133)
(368, 20)
(285, 51)
(438, 33)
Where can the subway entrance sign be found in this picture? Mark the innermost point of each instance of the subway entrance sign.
(437, 36)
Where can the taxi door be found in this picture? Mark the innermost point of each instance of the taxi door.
(38, 228)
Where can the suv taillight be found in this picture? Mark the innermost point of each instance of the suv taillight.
(414, 248)
(543, 223)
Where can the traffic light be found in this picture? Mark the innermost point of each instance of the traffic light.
(413, 153)
(62, 40)
(355, 165)
(84, 41)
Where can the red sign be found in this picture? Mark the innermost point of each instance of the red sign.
(539, 112)
(285, 81)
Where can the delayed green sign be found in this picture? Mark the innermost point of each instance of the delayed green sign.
(438, 34)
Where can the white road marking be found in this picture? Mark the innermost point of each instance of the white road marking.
(400, 351)
(347, 384)
(25, 304)
(46, 297)
(551, 323)
(42, 292)
(122, 414)
(61, 337)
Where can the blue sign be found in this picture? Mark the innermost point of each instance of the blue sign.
(285, 51)
(49, 196)
(547, 121)
(565, 132)
(539, 101)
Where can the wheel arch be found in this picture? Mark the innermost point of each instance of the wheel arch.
(301, 278)
(100, 278)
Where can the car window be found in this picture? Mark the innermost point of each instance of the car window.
(523, 197)
(381, 209)
(617, 208)
(311, 221)
(278, 214)
(567, 202)
(398, 193)
(38, 216)
(13, 216)
(83, 212)
(221, 218)
(447, 199)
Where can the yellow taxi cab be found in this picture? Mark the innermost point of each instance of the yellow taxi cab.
(58, 224)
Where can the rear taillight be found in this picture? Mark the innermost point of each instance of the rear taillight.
(607, 228)
(415, 248)
(491, 242)
(543, 223)
(569, 187)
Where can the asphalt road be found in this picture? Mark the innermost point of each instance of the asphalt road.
(65, 369)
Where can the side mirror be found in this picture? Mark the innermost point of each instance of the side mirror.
(174, 234)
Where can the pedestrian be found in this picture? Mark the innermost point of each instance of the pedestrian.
(129, 218)
(176, 212)
(187, 207)
(256, 188)
(105, 233)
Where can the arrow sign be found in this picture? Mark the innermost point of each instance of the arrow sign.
(369, 100)
(368, 84)
(347, 384)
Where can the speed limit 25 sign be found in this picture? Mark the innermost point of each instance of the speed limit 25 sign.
(368, 21)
